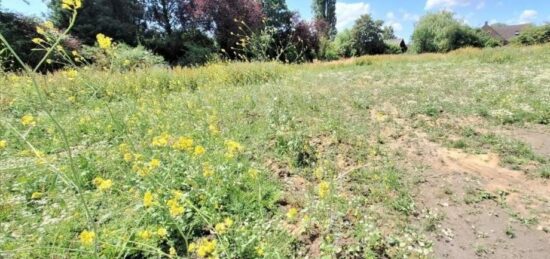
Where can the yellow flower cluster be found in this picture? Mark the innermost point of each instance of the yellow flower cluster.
(204, 248)
(28, 120)
(207, 170)
(71, 4)
(70, 74)
(174, 205)
(253, 173)
(102, 184)
(3, 144)
(183, 144)
(37, 195)
(324, 189)
(87, 238)
(221, 228)
(199, 151)
(162, 232)
(103, 41)
(144, 234)
(161, 141)
(233, 148)
(148, 199)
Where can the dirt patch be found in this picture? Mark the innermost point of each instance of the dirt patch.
(537, 137)
(483, 207)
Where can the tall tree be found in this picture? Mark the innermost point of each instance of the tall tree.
(325, 16)
(388, 32)
(367, 36)
(122, 20)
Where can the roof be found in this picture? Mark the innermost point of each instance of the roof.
(507, 32)
(396, 41)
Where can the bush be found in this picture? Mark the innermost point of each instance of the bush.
(533, 35)
(122, 57)
(344, 44)
(187, 48)
(441, 32)
(393, 49)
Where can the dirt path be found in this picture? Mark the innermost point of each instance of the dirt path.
(478, 208)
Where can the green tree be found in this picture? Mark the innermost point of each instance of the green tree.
(122, 20)
(441, 32)
(344, 44)
(367, 36)
(388, 33)
(325, 15)
(533, 35)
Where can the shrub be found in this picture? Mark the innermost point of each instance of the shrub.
(344, 44)
(122, 57)
(533, 35)
(186, 48)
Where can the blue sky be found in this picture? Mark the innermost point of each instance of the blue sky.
(400, 14)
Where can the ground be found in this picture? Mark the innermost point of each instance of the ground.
(438, 156)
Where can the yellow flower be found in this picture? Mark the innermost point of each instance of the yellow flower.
(37, 40)
(128, 157)
(28, 120)
(71, 74)
(87, 238)
(183, 144)
(144, 234)
(102, 184)
(221, 228)
(213, 128)
(40, 30)
(260, 251)
(207, 170)
(172, 251)
(3, 144)
(205, 248)
(192, 248)
(104, 41)
(71, 4)
(324, 189)
(228, 222)
(253, 173)
(233, 148)
(162, 232)
(291, 214)
(154, 164)
(174, 206)
(161, 141)
(148, 199)
(48, 25)
(37, 195)
(199, 150)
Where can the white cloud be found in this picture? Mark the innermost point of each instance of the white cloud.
(448, 4)
(346, 13)
(410, 16)
(528, 16)
(393, 22)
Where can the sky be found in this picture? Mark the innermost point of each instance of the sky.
(401, 14)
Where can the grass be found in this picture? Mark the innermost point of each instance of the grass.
(273, 134)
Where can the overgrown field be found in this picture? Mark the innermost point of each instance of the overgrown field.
(267, 160)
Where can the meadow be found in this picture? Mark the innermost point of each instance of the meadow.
(371, 157)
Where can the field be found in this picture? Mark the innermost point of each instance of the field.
(375, 157)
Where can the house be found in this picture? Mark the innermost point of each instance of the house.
(397, 42)
(504, 33)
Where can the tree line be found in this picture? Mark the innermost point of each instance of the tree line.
(193, 32)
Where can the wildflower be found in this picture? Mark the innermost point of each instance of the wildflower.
(162, 232)
(291, 214)
(324, 189)
(222, 227)
(37, 40)
(204, 248)
(104, 41)
(48, 25)
(183, 143)
(3, 144)
(207, 171)
(71, 99)
(213, 128)
(253, 173)
(199, 150)
(154, 164)
(233, 148)
(128, 157)
(71, 4)
(144, 234)
(172, 251)
(174, 207)
(148, 199)
(260, 250)
(37, 195)
(161, 141)
(71, 74)
(40, 30)
(102, 184)
(87, 237)
(28, 120)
